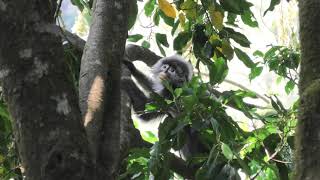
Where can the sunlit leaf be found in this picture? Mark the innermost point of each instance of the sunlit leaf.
(190, 8)
(227, 152)
(216, 18)
(149, 7)
(182, 19)
(167, 8)
(168, 20)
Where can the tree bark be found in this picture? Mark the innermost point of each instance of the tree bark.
(42, 102)
(100, 83)
(308, 137)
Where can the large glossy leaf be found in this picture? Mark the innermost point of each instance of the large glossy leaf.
(244, 58)
(237, 37)
(167, 8)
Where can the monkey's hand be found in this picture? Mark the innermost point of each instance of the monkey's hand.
(129, 65)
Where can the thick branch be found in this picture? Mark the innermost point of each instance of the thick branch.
(75, 40)
(134, 52)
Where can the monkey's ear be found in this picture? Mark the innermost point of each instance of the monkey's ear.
(129, 65)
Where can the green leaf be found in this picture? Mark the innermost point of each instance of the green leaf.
(168, 20)
(231, 18)
(226, 151)
(151, 107)
(145, 44)
(189, 102)
(135, 37)
(258, 53)
(249, 19)
(233, 6)
(175, 26)
(273, 3)
(227, 49)
(289, 86)
(156, 17)
(149, 137)
(255, 72)
(162, 39)
(78, 4)
(244, 58)
(218, 71)
(181, 40)
(178, 92)
(149, 7)
(133, 12)
(166, 127)
(238, 37)
(190, 8)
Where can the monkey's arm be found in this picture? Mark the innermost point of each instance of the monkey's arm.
(138, 100)
(137, 97)
(145, 81)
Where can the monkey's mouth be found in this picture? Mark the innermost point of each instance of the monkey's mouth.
(163, 77)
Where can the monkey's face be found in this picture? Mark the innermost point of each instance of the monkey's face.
(173, 74)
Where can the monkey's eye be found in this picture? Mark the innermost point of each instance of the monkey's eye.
(165, 66)
(172, 70)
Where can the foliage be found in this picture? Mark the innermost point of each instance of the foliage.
(9, 161)
(284, 61)
(255, 152)
(210, 31)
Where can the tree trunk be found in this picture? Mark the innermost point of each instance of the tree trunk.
(100, 83)
(308, 136)
(42, 102)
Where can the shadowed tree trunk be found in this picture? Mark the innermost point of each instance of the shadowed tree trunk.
(42, 102)
(308, 136)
